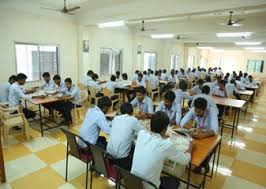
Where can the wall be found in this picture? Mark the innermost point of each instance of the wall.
(24, 27)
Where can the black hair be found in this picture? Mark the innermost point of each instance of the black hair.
(56, 77)
(126, 108)
(21, 76)
(117, 73)
(137, 71)
(170, 95)
(46, 74)
(200, 82)
(164, 71)
(68, 80)
(140, 75)
(152, 72)
(124, 76)
(103, 102)
(200, 103)
(113, 78)
(12, 77)
(141, 90)
(183, 85)
(205, 89)
(94, 77)
(90, 72)
(208, 79)
(222, 82)
(157, 73)
(144, 72)
(159, 122)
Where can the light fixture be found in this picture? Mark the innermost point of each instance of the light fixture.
(248, 43)
(254, 48)
(162, 36)
(235, 34)
(205, 48)
(259, 51)
(218, 50)
(111, 24)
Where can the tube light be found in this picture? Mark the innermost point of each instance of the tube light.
(236, 34)
(254, 48)
(162, 36)
(205, 48)
(259, 51)
(218, 50)
(111, 24)
(248, 43)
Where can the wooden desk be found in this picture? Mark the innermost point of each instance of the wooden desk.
(246, 92)
(164, 82)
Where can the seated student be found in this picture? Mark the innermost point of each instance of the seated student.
(244, 79)
(66, 107)
(152, 149)
(124, 76)
(220, 90)
(197, 88)
(209, 83)
(94, 122)
(124, 129)
(143, 103)
(48, 83)
(182, 93)
(86, 80)
(16, 93)
(231, 89)
(182, 74)
(250, 82)
(140, 81)
(117, 75)
(5, 88)
(206, 94)
(94, 83)
(135, 76)
(172, 77)
(164, 75)
(145, 76)
(154, 79)
(239, 85)
(59, 85)
(113, 86)
(171, 108)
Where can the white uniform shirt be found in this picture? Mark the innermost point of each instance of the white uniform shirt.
(210, 101)
(61, 87)
(95, 85)
(111, 85)
(174, 113)
(230, 89)
(240, 85)
(244, 80)
(196, 90)
(15, 94)
(141, 83)
(86, 80)
(181, 95)
(208, 122)
(150, 153)
(164, 77)
(145, 106)
(172, 78)
(251, 84)
(218, 92)
(48, 86)
(124, 129)
(4, 91)
(211, 85)
(154, 81)
(95, 121)
(74, 93)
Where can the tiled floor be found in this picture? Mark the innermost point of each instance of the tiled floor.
(39, 163)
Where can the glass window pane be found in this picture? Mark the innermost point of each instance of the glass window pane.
(48, 59)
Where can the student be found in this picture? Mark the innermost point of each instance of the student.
(140, 81)
(94, 122)
(171, 108)
(124, 129)
(117, 74)
(111, 85)
(250, 82)
(135, 76)
(66, 107)
(16, 93)
(209, 83)
(143, 103)
(182, 93)
(5, 88)
(154, 79)
(206, 94)
(124, 76)
(234, 87)
(152, 149)
(59, 85)
(172, 77)
(88, 78)
(164, 75)
(220, 90)
(48, 83)
(244, 79)
(145, 77)
(239, 85)
(197, 88)
(231, 89)
(182, 74)
(94, 83)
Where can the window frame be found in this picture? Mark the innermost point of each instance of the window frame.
(38, 45)
(176, 57)
(156, 56)
(256, 61)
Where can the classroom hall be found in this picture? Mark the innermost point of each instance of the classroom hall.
(143, 94)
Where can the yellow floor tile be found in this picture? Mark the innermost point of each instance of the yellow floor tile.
(16, 151)
(216, 182)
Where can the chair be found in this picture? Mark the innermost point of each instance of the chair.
(132, 181)
(93, 92)
(82, 87)
(79, 112)
(102, 164)
(152, 91)
(75, 150)
(9, 120)
(110, 94)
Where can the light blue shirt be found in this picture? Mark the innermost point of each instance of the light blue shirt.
(154, 81)
(196, 89)
(74, 93)
(15, 94)
(111, 85)
(48, 86)
(4, 91)
(210, 101)
(181, 95)
(145, 106)
(141, 83)
(124, 129)
(95, 121)
(211, 85)
(174, 113)
(208, 122)
(61, 87)
(86, 80)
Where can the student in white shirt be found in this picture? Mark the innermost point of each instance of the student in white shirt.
(112, 84)
(94, 83)
(48, 83)
(86, 80)
(59, 85)
(152, 149)
(171, 108)
(209, 83)
(117, 75)
(143, 103)
(231, 89)
(182, 93)
(140, 81)
(239, 85)
(154, 79)
(197, 88)
(182, 74)
(220, 90)
(250, 82)
(94, 122)
(244, 79)
(164, 75)
(135, 76)
(5, 87)
(124, 129)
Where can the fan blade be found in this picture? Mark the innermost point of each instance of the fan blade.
(50, 9)
(74, 8)
(69, 13)
(239, 20)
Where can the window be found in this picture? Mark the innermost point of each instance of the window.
(255, 66)
(34, 59)
(150, 60)
(175, 62)
(190, 63)
(111, 61)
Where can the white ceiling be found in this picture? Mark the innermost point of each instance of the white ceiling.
(194, 20)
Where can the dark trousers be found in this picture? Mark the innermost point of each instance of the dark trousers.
(169, 183)
(50, 106)
(101, 142)
(27, 113)
(126, 162)
(65, 108)
(221, 111)
(131, 94)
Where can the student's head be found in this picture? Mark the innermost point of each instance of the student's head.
(126, 108)
(208, 79)
(113, 78)
(68, 83)
(169, 99)
(200, 106)
(90, 73)
(104, 103)
(159, 122)
(237, 78)
(94, 77)
(233, 81)
(218, 78)
(205, 89)
(137, 72)
(144, 73)
(21, 78)
(140, 76)
(183, 85)
(200, 82)
(157, 73)
(151, 72)
(164, 71)
(245, 75)
(172, 72)
(124, 76)
(222, 84)
(117, 73)
(141, 93)
(250, 78)
(57, 79)
(12, 79)
(46, 76)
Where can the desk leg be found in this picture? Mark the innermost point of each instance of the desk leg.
(213, 161)
(204, 178)
(218, 156)
(40, 111)
(237, 120)
(234, 123)
(188, 176)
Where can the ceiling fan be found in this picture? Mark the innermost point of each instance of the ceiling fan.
(143, 29)
(232, 22)
(65, 10)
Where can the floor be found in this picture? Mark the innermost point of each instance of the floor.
(40, 161)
